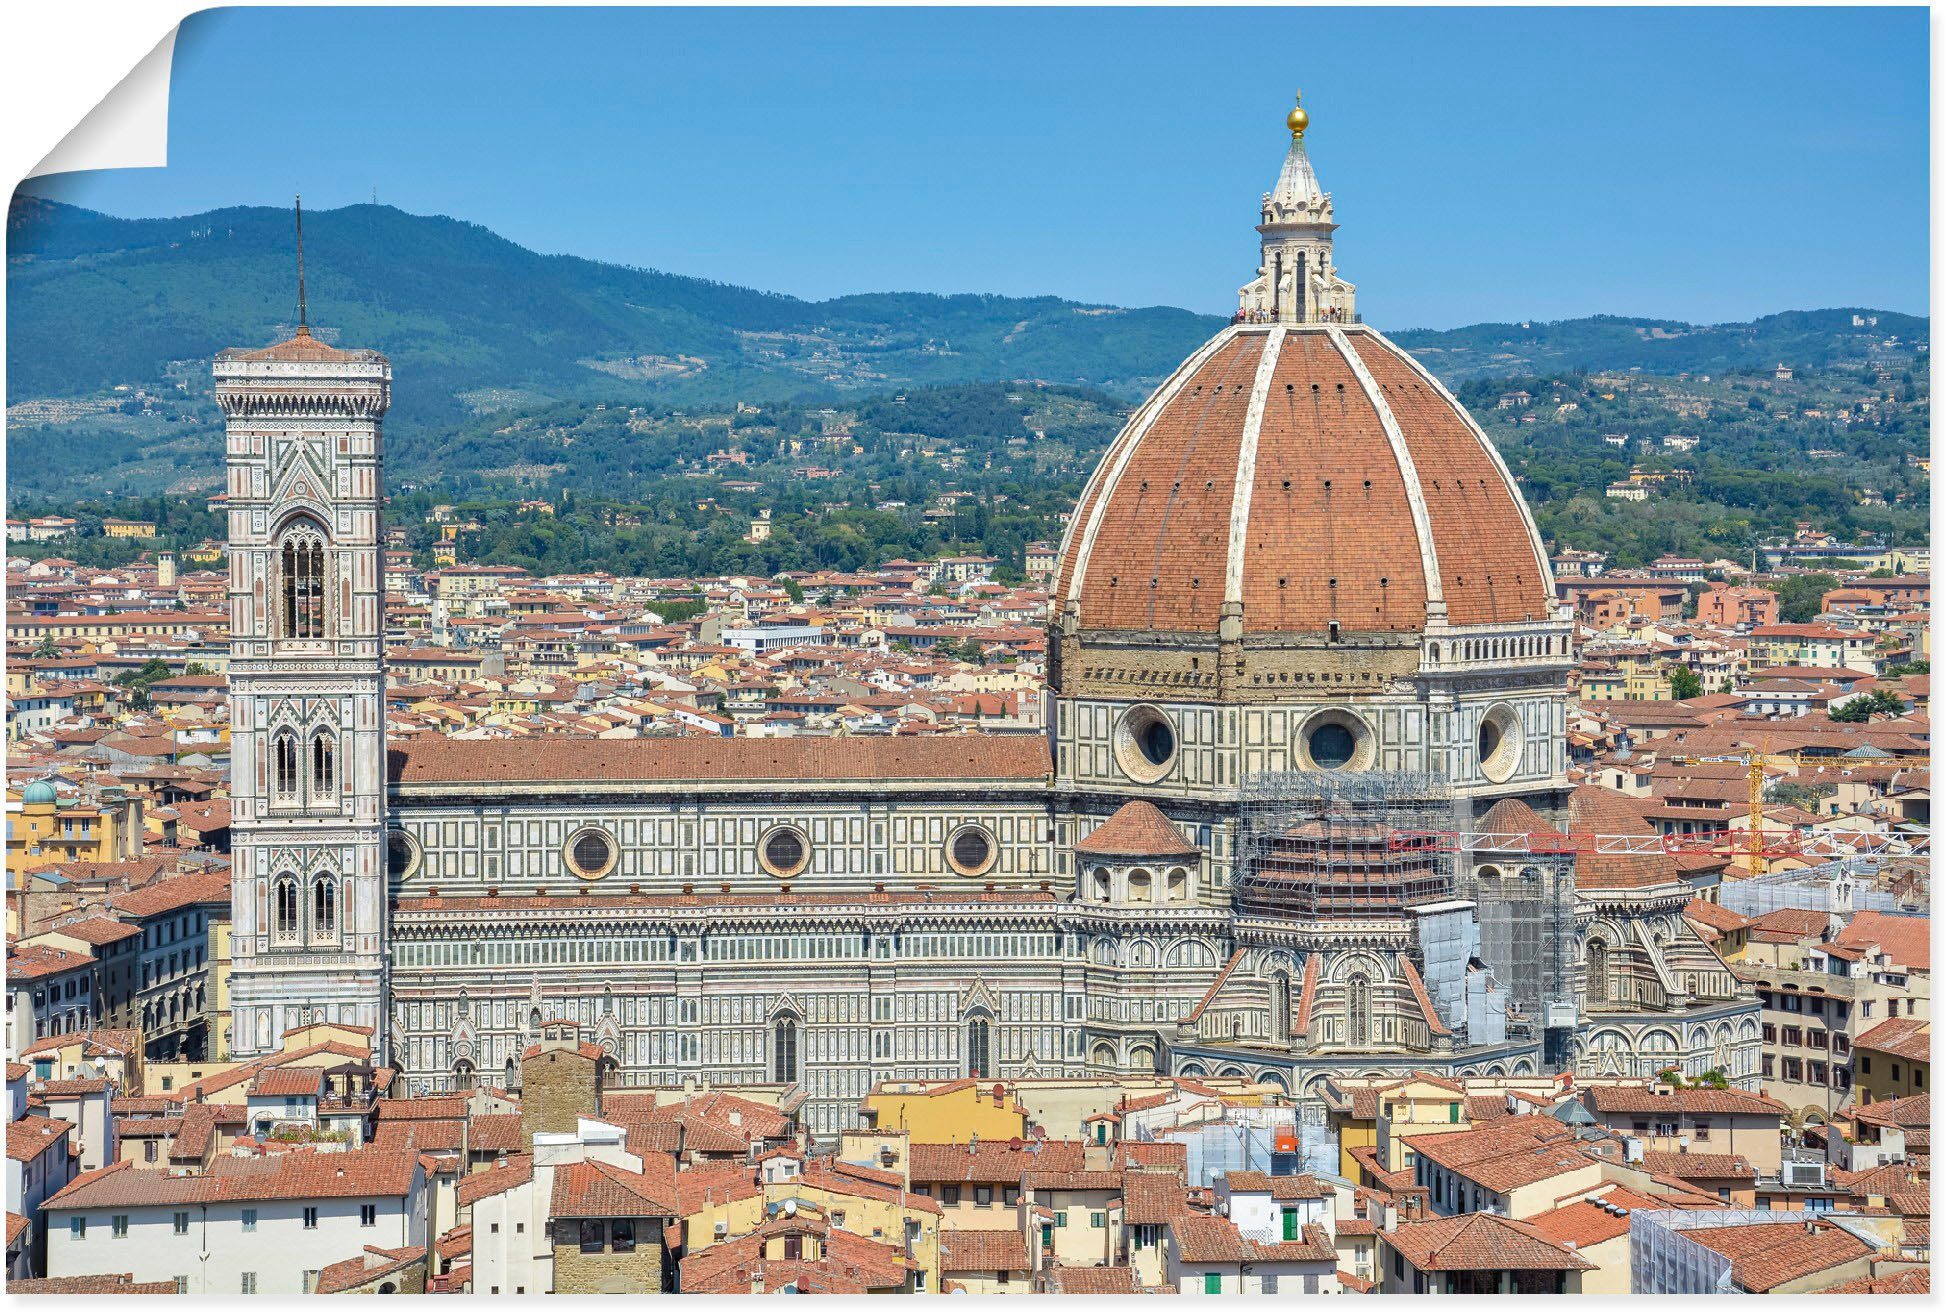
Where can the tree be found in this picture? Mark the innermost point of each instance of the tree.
(1684, 683)
(1801, 595)
(47, 647)
(1862, 709)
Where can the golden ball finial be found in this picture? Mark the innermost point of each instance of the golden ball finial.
(1296, 119)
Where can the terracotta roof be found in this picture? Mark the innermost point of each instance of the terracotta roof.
(1481, 1241)
(1593, 1220)
(1701, 1166)
(1908, 1039)
(1627, 1098)
(1602, 811)
(289, 1082)
(98, 930)
(16, 1226)
(1093, 1280)
(359, 1173)
(121, 1283)
(373, 1264)
(1152, 1197)
(984, 1250)
(30, 1136)
(1768, 1255)
(1284, 1187)
(170, 894)
(1905, 939)
(604, 1189)
(1916, 1280)
(991, 1161)
(301, 348)
(1714, 916)
(432, 759)
(1137, 829)
(516, 1169)
(1155, 532)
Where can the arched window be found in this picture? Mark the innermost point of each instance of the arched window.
(464, 1076)
(1176, 883)
(324, 907)
(1360, 1008)
(1138, 888)
(324, 776)
(785, 1051)
(1597, 972)
(978, 1048)
(284, 767)
(1280, 1019)
(1100, 884)
(284, 907)
(301, 582)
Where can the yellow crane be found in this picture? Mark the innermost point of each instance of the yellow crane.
(1756, 759)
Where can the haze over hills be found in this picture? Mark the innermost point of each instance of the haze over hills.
(477, 326)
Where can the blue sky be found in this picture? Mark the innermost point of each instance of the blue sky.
(1485, 164)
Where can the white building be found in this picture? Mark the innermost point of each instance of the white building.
(250, 1225)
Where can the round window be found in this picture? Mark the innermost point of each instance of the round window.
(1146, 744)
(1333, 739)
(783, 852)
(1499, 743)
(1331, 746)
(402, 854)
(970, 850)
(591, 853)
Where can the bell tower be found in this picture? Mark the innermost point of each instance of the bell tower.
(1297, 282)
(307, 747)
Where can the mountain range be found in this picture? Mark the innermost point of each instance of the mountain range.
(476, 325)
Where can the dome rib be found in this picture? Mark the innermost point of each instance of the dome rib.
(1418, 508)
(1242, 486)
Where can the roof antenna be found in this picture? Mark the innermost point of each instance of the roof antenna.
(298, 208)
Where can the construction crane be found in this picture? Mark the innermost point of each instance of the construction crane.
(1755, 759)
(1712, 842)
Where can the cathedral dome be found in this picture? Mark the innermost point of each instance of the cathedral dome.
(1299, 479)
(1311, 479)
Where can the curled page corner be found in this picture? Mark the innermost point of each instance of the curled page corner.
(129, 129)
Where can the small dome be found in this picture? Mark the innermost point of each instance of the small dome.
(38, 793)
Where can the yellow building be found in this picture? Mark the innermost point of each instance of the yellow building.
(945, 1112)
(128, 528)
(1892, 1061)
(41, 830)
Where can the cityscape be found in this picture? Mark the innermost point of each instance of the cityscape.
(1322, 812)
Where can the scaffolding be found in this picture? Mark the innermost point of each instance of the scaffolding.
(1318, 845)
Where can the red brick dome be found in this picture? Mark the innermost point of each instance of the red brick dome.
(1308, 476)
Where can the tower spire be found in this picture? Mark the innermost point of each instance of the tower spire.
(1296, 281)
(298, 210)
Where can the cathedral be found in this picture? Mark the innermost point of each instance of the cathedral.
(1304, 643)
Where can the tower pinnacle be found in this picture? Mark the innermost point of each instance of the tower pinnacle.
(298, 211)
(1296, 281)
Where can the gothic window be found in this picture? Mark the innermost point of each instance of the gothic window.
(284, 768)
(1281, 1009)
(324, 776)
(978, 1048)
(301, 582)
(324, 908)
(1360, 1006)
(464, 1076)
(1597, 979)
(284, 906)
(785, 1051)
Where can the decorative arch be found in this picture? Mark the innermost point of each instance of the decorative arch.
(324, 907)
(1360, 1010)
(284, 768)
(324, 766)
(286, 913)
(302, 593)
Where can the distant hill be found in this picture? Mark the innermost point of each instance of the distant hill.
(97, 301)
(1804, 338)
(482, 331)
